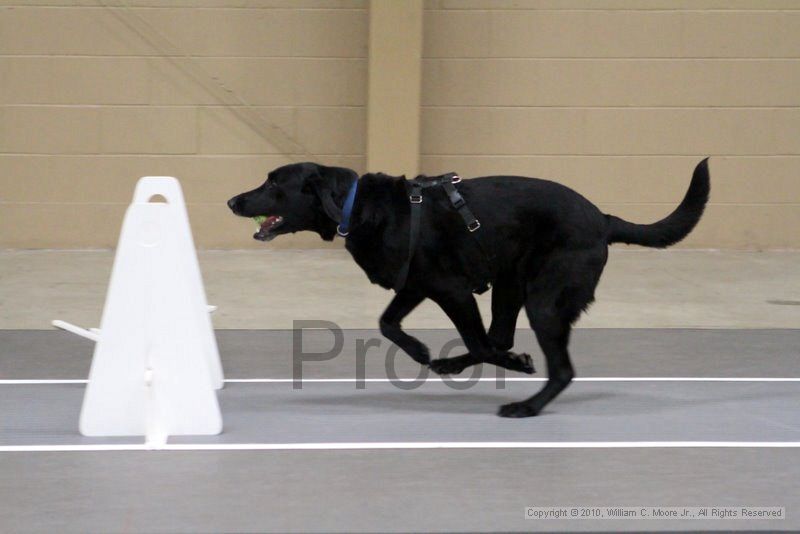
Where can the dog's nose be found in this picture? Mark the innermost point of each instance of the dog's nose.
(232, 203)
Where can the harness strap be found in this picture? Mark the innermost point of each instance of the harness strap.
(460, 205)
(473, 224)
(415, 197)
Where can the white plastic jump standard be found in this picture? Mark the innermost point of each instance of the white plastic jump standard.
(156, 363)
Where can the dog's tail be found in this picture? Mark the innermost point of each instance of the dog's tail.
(675, 226)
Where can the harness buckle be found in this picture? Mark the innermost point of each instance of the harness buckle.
(455, 179)
(339, 231)
(474, 225)
(415, 199)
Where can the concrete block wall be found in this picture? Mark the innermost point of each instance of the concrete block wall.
(94, 95)
(615, 98)
(619, 99)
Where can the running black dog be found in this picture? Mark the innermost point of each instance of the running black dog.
(548, 249)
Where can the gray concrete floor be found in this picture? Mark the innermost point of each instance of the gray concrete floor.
(385, 491)
(596, 352)
(272, 288)
(450, 490)
(436, 411)
(422, 490)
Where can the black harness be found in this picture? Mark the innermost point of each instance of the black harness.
(447, 182)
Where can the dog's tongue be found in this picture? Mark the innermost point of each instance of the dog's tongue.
(264, 222)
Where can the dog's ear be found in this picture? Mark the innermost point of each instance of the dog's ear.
(323, 184)
(328, 183)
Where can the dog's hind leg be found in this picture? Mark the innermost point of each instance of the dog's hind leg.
(556, 297)
(462, 309)
(401, 305)
(553, 336)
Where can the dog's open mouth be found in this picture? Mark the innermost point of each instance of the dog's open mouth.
(266, 226)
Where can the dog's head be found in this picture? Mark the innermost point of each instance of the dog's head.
(296, 197)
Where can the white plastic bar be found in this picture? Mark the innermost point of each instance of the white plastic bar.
(93, 333)
(77, 330)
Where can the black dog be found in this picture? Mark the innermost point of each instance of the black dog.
(549, 246)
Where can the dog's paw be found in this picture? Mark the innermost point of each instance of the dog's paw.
(447, 366)
(421, 355)
(520, 362)
(518, 409)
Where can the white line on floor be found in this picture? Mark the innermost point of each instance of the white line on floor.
(12, 382)
(524, 379)
(39, 382)
(405, 445)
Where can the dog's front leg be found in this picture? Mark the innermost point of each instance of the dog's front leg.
(507, 300)
(402, 304)
(462, 309)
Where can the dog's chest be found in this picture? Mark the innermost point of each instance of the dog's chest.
(377, 258)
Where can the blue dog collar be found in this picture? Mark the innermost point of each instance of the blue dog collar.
(344, 227)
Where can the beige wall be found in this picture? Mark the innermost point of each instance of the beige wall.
(619, 99)
(89, 103)
(616, 98)
(395, 72)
